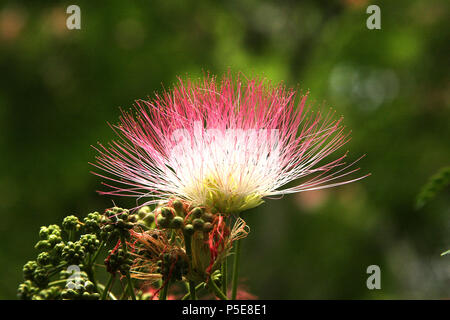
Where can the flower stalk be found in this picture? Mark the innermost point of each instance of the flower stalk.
(235, 277)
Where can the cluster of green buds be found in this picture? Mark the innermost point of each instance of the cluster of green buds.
(76, 243)
(175, 242)
(93, 222)
(191, 228)
(27, 291)
(199, 220)
(50, 236)
(117, 223)
(176, 215)
(36, 273)
(118, 260)
(73, 252)
(71, 224)
(172, 266)
(82, 290)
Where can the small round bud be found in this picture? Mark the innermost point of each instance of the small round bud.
(177, 222)
(166, 212)
(43, 258)
(162, 222)
(71, 223)
(89, 286)
(148, 219)
(44, 233)
(198, 224)
(43, 245)
(189, 229)
(142, 212)
(178, 206)
(124, 215)
(197, 212)
(207, 227)
(209, 217)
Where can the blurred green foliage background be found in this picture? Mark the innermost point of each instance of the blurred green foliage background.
(59, 88)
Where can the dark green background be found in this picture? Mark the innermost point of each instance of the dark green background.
(59, 88)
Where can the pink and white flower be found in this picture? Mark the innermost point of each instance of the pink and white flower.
(225, 145)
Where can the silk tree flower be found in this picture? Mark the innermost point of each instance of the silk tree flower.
(225, 145)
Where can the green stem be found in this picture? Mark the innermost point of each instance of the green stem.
(198, 287)
(192, 291)
(107, 287)
(127, 274)
(130, 286)
(234, 280)
(124, 294)
(56, 282)
(217, 290)
(57, 269)
(164, 290)
(90, 267)
(187, 243)
(111, 295)
(98, 251)
(224, 276)
(91, 275)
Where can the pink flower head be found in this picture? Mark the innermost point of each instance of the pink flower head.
(224, 145)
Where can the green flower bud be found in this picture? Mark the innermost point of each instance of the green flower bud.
(166, 212)
(43, 245)
(197, 212)
(95, 296)
(40, 277)
(178, 206)
(71, 223)
(198, 224)
(189, 229)
(207, 227)
(54, 229)
(28, 269)
(208, 217)
(43, 259)
(53, 239)
(148, 219)
(142, 212)
(44, 233)
(177, 222)
(89, 286)
(92, 222)
(26, 290)
(162, 222)
(124, 215)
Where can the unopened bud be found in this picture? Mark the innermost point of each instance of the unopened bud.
(148, 219)
(178, 206)
(162, 222)
(208, 226)
(197, 212)
(209, 217)
(167, 212)
(142, 212)
(198, 224)
(189, 229)
(177, 222)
